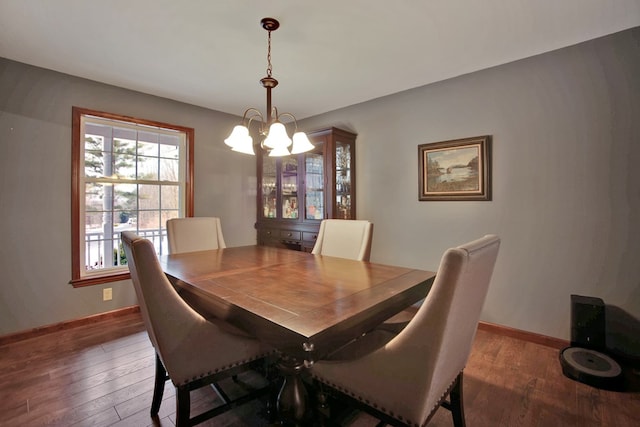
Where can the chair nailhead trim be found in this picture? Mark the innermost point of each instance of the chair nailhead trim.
(381, 408)
(224, 368)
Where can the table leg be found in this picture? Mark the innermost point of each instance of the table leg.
(293, 400)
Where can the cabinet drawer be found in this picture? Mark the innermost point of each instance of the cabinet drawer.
(289, 235)
(269, 233)
(309, 236)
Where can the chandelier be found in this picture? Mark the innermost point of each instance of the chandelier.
(274, 134)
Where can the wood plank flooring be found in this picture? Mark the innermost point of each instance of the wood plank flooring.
(101, 374)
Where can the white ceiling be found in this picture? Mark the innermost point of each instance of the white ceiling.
(327, 54)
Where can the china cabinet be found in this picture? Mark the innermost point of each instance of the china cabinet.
(296, 192)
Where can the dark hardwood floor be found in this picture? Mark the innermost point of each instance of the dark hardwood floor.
(101, 374)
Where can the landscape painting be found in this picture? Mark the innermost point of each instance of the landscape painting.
(455, 170)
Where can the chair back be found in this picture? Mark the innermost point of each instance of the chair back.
(423, 361)
(165, 314)
(194, 234)
(344, 238)
(444, 327)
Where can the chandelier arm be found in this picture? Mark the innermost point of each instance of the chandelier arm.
(295, 122)
(246, 119)
(263, 129)
(255, 112)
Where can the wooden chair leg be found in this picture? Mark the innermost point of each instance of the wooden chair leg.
(183, 406)
(457, 406)
(322, 409)
(158, 389)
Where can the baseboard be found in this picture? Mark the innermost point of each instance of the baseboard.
(68, 324)
(42, 330)
(523, 335)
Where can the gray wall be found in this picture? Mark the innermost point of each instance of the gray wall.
(566, 196)
(566, 178)
(35, 188)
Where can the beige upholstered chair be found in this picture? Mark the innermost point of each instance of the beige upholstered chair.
(194, 234)
(404, 378)
(344, 238)
(191, 350)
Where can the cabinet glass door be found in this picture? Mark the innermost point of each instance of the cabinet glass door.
(269, 195)
(314, 186)
(289, 182)
(343, 180)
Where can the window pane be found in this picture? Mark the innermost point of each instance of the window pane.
(93, 251)
(93, 222)
(122, 133)
(169, 170)
(93, 142)
(148, 149)
(106, 197)
(170, 196)
(120, 218)
(151, 138)
(170, 151)
(93, 196)
(119, 256)
(109, 257)
(124, 166)
(125, 196)
(149, 220)
(124, 146)
(149, 197)
(123, 158)
(147, 168)
(169, 214)
(93, 157)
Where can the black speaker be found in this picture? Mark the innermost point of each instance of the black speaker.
(587, 323)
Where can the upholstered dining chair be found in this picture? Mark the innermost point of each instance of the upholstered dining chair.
(190, 351)
(404, 378)
(344, 238)
(194, 234)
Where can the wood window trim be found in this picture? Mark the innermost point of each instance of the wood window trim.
(77, 280)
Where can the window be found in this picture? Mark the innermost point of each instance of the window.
(127, 174)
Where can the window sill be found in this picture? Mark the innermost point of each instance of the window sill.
(97, 280)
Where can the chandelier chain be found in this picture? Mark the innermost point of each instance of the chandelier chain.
(269, 68)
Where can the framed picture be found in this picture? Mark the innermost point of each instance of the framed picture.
(459, 169)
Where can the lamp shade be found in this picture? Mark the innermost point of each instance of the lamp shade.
(301, 143)
(244, 146)
(277, 137)
(279, 152)
(239, 136)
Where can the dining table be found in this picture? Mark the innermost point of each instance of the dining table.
(305, 306)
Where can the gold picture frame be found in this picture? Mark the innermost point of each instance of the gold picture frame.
(455, 170)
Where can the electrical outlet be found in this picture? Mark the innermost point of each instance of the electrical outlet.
(107, 294)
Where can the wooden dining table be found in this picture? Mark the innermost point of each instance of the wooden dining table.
(304, 305)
